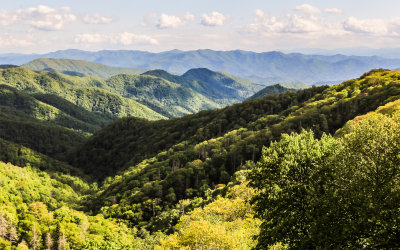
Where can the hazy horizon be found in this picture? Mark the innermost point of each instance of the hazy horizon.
(44, 25)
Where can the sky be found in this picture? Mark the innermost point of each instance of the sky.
(39, 26)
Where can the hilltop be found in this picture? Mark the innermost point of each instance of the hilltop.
(78, 67)
(271, 67)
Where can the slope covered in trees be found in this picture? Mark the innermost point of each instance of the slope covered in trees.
(168, 98)
(233, 85)
(218, 86)
(272, 89)
(39, 212)
(152, 95)
(78, 67)
(86, 92)
(147, 192)
(130, 140)
(52, 109)
(332, 192)
(181, 182)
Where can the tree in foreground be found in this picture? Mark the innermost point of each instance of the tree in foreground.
(331, 193)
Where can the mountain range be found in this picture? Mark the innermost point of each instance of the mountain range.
(152, 95)
(77, 173)
(262, 68)
(78, 67)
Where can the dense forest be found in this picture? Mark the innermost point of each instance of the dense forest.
(311, 168)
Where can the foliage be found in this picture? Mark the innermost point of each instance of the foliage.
(272, 89)
(38, 211)
(172, 185)
(226, 223)
(44, 137)
(290, 177)
(78, 67)
(148, 191)
(52, 109)
(130, 140)
(332, 193)
(86, 92)
(168, 98)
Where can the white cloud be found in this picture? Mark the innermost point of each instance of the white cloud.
(9, 41)
(96, 19)
(307, 9)
(333, 11)
(370, 26)
(46, 18)
(41, 17)
(125, 38)
(165, 21)
(7, 17)
(214, 19)
(312, 24)
(290, 23)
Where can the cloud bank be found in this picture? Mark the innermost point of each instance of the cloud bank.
(213, 19)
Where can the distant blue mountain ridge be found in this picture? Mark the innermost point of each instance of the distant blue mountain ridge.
(261, 68)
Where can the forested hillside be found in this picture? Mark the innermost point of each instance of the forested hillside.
(167, 98)
(272, 89)
(313, 168)
(189, 163)
(86, 92)
(78, 67)
(149, 96)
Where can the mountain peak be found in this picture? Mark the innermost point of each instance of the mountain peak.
(157, 72)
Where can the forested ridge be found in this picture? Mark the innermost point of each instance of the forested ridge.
(312, 168)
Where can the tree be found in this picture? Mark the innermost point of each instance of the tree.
(35, 240)
(3, 225)
(290, 177)
(48, 241)
(62, 242)
(367, 177)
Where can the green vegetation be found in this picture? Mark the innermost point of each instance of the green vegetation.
(225, 223)
(78, 67)
(235, 86)
(173, 95)
(7, 66)
(148, 191)
(130, 140)
(153, 95)
(85, 92)
(38, 212)
(272, 89)
(52, 109)
(331, 193)
(313, 168)
(167, 98)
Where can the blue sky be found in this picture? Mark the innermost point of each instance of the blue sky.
(37, 26)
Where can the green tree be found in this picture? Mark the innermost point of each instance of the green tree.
(290, 178)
